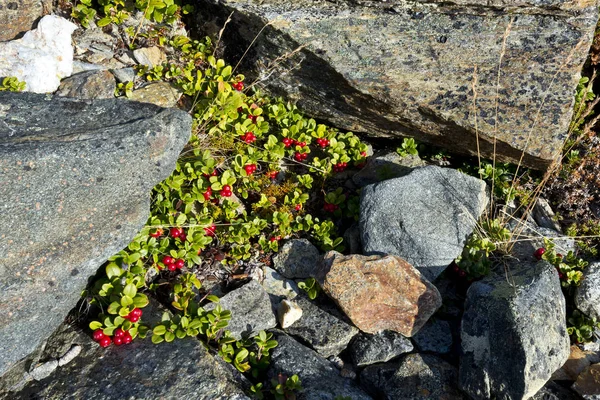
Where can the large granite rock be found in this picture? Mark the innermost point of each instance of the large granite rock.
(320, 379)
(298, 258)
(180, 369)
(444, 72)
(415, 377)
(424, 217)
(250, 308)
(514, 333)
(76, 178)
(587, 296)
(381, 347)
(17, 16)
(42, 57)
(379, 293)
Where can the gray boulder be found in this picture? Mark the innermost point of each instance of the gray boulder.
(326, 334)
(88, 85)
(384, 166)
(587, 295)
(415, 377)
(514, 333)
(424, 217)
(435, 337)
(446, 72)
(320, 379)
(76, 178)
(297, 259)
(142, 370)
(367, 349)
(250, 308)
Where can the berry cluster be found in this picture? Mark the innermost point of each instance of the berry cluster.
(210, 231)
(287, 142)
(120, 337)
(339, 167)
(330, 207)
(275, 239)
(178, 233)
(248, 137)
(458, 271)
(239, 86)
(173, 264)
(250, 168)
(134, 315)
(300, 156)
(323, 142)
(207, 194)
(298, 207)
(252, 118)
(272, 174)
(226, 191)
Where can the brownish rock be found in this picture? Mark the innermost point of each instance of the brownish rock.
(379, 292)
(18, 16)
(588, 382)
(577, 362)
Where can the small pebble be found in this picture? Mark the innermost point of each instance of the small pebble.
(69, 355)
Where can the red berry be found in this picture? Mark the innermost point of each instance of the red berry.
(172, 267)
(298, 207)
(250, 168)
(455, 269)
(157, 233)
(179, 263)
(363, 153)
(167, 260)
(273, 239)
(98, 335)
(207, 194)
(119, 332)
(462, 273)
(133, 318)
(559, 255)
(287, 142)
(104, 342)
(175, 232)
(210, 231)
(118, 340)
(239, 86)
(252, 118)
(240, 109)
(136, 312)
(182, 237)
(539, 253)
(127, 338)
(302, 144)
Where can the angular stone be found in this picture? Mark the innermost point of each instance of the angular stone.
(424, 217)
(181, 369)
(381, 347)
(577, 362)
(514, 333)
(588, 383)
(76, 178)
(434, 337)
(288, 313)
(326, 334)
(528, 237)
(88, 85)
(150, 56)
(277, 285)
(17, 16)
(450, 74)
(160, 93)
(553, 391)
(320, 379)
(250, 310)
(124, 75)
(415, 377)
(544, 216)
(587, 295)
(297, 259)
(379, 293)
(385, 166)
(42, 56)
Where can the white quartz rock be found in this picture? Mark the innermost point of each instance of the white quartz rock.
(42, 57)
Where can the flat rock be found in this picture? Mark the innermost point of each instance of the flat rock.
(288, 312)
(88, 85)
(587, 295)
(150, 56)
(500, 72)
(553, 391)
(320, 379)
(250, 310)
(42, 57)
(326, 334)
(76, 178)
(297, 259)
(277, 285)
(529, 309)
(434, 337)
(414, 377)
(379, 293)
(424, 217)
(162, 94)
(18, 16)
(588, 383)
(142, 370)
(367, 349)
(386, 165)
(124, 75)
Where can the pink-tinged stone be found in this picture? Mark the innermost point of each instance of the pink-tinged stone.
(379, 292)
(588, 382)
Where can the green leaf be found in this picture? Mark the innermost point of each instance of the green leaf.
(95, 325)
(103, 22)
(159, 330)
(213, 298)
(113, 308)
(169, 336)
(157, 339)
(130, 290)
(112, 270)
(126, 301)
(181, 219)
(140, 300)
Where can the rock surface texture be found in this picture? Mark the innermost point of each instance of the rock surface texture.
(513, 333)
(76, 178)
(42, 56)
(424, 217)
(368, 349)
(379, 293)
(17, 16)
(587, 296)
(298, 258)
(425, 69)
